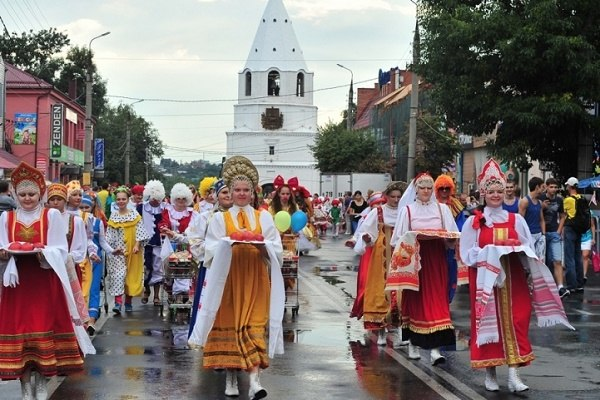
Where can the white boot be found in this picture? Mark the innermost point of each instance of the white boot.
(26, 390)
(41, 386)
(381, 338)
(491, 383)
(413, 352)
(231, 383)
(398, 342)
(514, 382)
(256, 391)
(436, 357)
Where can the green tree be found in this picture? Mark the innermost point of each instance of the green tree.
(35, 52)
(436, 146)
(339, 150)
(532, 65)
(112, 127)
(38, 53)
(74, 70)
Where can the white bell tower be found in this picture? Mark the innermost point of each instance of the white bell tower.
(274, 119)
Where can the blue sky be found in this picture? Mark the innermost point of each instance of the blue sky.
(193, 49)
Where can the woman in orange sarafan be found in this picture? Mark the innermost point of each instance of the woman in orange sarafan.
(244, 293)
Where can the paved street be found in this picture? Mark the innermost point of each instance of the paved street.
(142, 356)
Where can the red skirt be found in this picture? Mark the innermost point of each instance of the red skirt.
(513, 310)
(35, 325)
(426, 313)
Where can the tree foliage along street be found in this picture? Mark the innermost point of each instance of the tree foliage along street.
(337, 149)
(436, 147)
(112, 127)
(531, 64)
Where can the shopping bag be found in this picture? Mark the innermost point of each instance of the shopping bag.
(596, 260)
(166, 249)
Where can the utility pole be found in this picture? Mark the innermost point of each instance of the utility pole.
(147, 162)
(127, 148)
(128, 141)
(414, 107)
(87, 147)
(350, 98)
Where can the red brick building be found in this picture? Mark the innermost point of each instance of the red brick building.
(43, 126)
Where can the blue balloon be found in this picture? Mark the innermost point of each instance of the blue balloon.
(299, 221)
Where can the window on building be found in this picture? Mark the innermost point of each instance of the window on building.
(248, 84)
(300, 85)
(271, 150)
(273, 83)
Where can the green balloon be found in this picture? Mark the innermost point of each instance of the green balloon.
(283, 220)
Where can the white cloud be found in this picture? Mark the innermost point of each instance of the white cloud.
(318, 9)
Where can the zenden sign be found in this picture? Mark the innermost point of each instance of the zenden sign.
(57, 118)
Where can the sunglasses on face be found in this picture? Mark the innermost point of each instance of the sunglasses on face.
(445, 188)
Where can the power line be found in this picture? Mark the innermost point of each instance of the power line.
(232, 100)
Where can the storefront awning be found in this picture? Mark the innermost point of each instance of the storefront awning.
(7, 160)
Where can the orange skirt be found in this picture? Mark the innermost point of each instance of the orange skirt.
(238, 336)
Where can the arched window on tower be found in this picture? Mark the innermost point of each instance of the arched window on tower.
(300, 85)
(248, 83)
(273, 83)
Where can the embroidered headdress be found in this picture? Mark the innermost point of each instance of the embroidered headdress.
(87, 200)
(376, 198)
(26, 178)
(424, 179)
(239, 168)
(73, 187)
(58, 190)
(154, 190)
(491, 174)
(397, 185)
(181, 191)
(218, 186)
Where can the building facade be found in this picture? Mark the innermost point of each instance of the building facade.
(43, 126)
(275, 120)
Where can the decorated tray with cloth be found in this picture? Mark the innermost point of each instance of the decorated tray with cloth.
(403, 271)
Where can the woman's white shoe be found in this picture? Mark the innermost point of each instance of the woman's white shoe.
(514, 382)
(231, 383)
(436, 357)
(256, 391)
(413, 352)
(491, 383)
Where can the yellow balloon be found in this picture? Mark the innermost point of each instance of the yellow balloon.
(283, 220)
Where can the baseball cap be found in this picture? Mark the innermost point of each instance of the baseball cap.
(572, 181)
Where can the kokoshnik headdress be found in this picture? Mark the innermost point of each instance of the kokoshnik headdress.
(239, 168)
(491, 174)
(26, 178)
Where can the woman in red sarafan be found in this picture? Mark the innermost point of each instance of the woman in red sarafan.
(41, 333)
(493, 241)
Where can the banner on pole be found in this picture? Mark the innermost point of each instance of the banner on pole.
(99, 154)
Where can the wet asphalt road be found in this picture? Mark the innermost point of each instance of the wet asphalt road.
(141, 355)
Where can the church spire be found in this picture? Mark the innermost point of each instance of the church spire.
(275, 44)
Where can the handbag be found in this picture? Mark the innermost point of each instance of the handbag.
(596, 260)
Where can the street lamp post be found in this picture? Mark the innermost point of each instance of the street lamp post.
(87, 149)
(350, 97)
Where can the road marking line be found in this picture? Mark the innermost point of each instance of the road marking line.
(428, 380)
